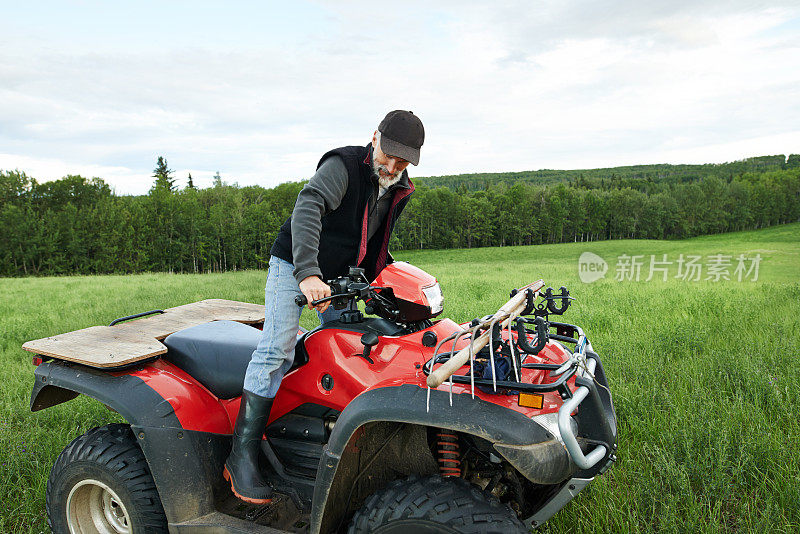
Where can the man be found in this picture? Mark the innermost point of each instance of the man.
(344, 216)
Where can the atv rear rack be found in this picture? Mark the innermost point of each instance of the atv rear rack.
(126, 342)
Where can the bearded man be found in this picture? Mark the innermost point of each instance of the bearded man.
(343, 217)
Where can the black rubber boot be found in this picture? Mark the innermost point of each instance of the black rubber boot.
(241, 467)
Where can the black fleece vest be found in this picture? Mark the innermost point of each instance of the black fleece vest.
(343, 240)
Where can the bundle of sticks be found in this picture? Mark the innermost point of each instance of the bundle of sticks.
(505, 316)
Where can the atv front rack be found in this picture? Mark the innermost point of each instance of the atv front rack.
(598, 420)
(563, 372)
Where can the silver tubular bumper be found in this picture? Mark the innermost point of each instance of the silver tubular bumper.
(602, 417)
(584, 461)
(594, 423)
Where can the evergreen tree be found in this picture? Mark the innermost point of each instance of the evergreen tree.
(163, 175)
(217, 180)
(190, 185)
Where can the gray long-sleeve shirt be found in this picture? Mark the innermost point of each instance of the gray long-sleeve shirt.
(321, 195)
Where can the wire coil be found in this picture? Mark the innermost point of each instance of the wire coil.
(448, 454)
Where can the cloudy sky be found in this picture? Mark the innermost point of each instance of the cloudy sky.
(259, 90)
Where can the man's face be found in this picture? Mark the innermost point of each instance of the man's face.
(388, 167)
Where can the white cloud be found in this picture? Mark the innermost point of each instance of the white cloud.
(506, 86)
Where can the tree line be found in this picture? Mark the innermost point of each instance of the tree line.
(77, 225)
(620, 176)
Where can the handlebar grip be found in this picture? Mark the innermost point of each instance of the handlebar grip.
(301, 300)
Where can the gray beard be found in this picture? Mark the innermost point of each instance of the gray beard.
(385, 181)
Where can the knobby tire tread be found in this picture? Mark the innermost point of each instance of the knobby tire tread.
(114, 448)
(450, 501)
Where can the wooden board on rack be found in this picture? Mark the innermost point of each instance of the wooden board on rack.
(132, 341)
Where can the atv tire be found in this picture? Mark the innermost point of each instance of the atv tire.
(434, 505)
(101, 483)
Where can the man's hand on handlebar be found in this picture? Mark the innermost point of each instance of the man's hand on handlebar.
(314, 289)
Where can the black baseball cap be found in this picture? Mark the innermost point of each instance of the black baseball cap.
(402, 135)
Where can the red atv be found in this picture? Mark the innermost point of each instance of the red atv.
(357, 441)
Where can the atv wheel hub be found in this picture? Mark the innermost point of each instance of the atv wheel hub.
(93, 507)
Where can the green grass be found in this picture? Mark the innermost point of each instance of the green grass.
(705, 375)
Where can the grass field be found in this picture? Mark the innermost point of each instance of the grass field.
(705, 375)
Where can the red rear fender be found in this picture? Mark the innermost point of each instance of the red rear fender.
(195, 407)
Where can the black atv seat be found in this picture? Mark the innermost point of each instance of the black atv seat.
(216, 354)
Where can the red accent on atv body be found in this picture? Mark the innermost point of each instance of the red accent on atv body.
(406, 282)
(195, 406)
(336, 353)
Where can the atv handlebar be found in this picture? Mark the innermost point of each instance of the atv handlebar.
(301, 300)
(344, 288)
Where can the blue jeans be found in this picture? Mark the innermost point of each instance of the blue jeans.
(274, 354)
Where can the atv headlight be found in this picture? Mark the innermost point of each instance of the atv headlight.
(435, 298)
